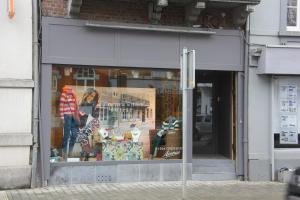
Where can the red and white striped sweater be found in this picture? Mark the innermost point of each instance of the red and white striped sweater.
(67, 104)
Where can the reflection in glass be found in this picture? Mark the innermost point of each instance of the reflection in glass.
(203, 136)
(292, 17)
(292, 12)
(292, 2)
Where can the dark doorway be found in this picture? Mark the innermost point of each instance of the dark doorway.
(213, 114)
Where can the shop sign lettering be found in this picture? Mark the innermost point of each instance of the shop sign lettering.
(170, 154)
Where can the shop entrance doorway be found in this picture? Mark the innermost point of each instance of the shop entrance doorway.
(213, 118)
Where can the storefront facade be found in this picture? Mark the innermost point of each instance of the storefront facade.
(274, 88)
(132, 93)
(122, 80)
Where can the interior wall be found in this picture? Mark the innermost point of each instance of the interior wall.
(222, 109)
(224, 114)
(202, 143)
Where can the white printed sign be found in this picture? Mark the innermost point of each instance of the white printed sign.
(288, 137)
(288, 92)
(288, 106)
(288, 122)
(288, 114)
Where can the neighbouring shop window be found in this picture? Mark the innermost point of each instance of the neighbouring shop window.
(287, 108)
(104, 114)
(293, 23)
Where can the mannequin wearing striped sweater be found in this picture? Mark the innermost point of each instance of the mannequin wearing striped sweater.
(67, 110)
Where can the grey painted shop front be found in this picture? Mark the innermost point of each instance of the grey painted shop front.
(279, 65)
(70, 44)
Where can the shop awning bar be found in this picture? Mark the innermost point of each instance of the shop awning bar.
(142, 27)
(279, 60)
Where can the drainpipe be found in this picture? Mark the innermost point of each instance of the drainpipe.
(272, 106)
(246, 102)
(35, 66)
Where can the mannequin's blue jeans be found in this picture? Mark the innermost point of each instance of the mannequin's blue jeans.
(70, 131)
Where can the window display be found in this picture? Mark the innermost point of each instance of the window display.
(288, 114)
(287, 107)
(115, 114)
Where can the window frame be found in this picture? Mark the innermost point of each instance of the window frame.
(297, 27)
(284, 30)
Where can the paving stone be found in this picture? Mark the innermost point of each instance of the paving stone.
(233, 190)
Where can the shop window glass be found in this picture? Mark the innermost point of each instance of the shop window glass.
(80, 82)
(54, 83)
(104, 114)
(85, 77)
(90, 83)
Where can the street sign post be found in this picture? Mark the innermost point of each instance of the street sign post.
(187, 82)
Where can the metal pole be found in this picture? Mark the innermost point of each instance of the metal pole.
(184, 120)
(184, 140)
(187, 83)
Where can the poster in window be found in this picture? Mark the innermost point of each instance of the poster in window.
(288, 92)
(288, 122)
(123, 110)
(288, 137)
(288, 106)
(288, 114)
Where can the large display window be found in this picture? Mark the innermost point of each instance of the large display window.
(105, 114)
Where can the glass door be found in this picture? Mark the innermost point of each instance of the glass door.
(203, 142)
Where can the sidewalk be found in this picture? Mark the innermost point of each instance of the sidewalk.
(233, 190)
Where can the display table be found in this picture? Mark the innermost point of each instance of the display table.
(125, 150)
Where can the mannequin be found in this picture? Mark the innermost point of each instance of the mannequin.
(68, 110)
(135, 134)
(89, 119)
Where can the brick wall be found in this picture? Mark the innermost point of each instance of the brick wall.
(114, 11)
(54, 8)
(132, 12)
(173, 15)
(107, 10)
